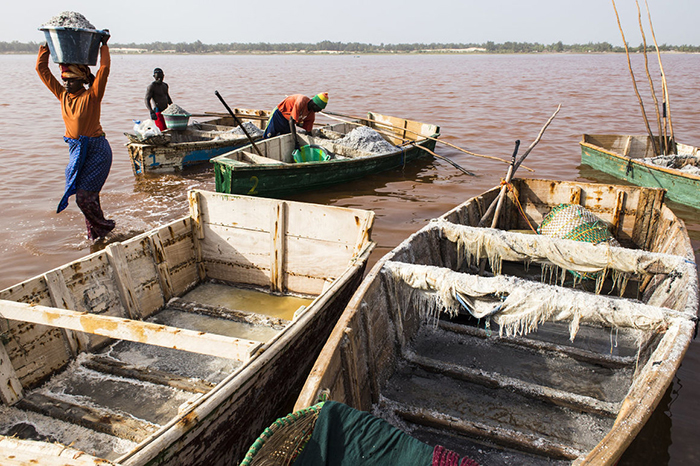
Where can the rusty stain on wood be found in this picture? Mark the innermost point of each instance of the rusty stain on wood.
(171, 250)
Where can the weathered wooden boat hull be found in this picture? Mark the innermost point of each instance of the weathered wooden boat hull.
(195, 146)
(249, 242)
(517, 399)
(605, 153)
(267, 178)
(232, 419)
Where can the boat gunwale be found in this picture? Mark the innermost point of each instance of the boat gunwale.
(420, 140)
(245, 166)
(668, 171)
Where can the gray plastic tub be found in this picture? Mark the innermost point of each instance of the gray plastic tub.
(73, 45)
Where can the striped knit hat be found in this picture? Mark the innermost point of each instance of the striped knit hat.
(321, 100)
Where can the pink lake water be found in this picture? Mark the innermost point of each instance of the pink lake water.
(482, 103)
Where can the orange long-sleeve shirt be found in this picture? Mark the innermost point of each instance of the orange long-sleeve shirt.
(81, 111)
(297, 107)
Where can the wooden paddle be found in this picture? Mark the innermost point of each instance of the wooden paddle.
(328, 114)
(238, 122)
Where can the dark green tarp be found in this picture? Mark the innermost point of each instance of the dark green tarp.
(344, 436)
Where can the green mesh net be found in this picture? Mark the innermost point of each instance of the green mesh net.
(574, 222)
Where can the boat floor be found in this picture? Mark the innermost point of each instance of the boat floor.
(482, 452)
(502, 400)
(104, 403)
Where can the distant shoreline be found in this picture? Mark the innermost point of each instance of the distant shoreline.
(117, 51)
(355, 48)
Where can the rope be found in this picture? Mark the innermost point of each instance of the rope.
(509, 187)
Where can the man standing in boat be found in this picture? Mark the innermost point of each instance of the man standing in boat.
(295, 110)
(158, 93)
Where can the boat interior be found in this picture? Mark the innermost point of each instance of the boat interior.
(117, 393)
(279, 150)
(224, 129)
(398, 132)
(478, 340)
(641, 147)
(105, 352)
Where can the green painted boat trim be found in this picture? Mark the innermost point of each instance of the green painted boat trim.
(279, 178)
(680, 187)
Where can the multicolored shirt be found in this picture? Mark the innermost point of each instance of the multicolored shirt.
(297, 106)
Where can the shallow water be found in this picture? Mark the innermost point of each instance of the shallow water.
(482, 103)
(241, 299)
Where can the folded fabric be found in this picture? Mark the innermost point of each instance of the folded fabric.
(344, 436)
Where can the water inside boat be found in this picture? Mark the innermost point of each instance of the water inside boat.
(106, 402)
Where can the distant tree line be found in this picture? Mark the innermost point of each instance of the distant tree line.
(198, 47)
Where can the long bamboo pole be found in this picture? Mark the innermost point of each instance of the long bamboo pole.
(509, 178)
(634, 81)
(664, 86)
(537, 139)
(651, 81)
(392, 135)
(328, 114)
(514, 165)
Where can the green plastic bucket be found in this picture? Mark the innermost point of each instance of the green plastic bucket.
(310, 153)
(176, 122)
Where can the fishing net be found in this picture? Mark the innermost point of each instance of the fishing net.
(574, 222)
(281, 443)
(517, 305)
(571, 221)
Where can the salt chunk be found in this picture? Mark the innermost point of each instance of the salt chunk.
(69, 19)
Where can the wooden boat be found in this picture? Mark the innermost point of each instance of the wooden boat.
(631, 158)
(179, 345)
(196, 145)
(244, 171)
(561, 372)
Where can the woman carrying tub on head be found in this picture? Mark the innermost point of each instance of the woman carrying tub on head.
(90, 153)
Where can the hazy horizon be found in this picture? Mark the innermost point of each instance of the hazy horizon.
(375, 22)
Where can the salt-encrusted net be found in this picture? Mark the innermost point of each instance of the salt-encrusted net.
(522, 304)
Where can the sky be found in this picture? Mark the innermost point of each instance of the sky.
(364, 21)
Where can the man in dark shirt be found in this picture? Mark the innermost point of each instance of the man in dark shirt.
(157, 92)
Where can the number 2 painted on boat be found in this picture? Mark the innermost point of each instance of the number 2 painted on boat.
(254, 179)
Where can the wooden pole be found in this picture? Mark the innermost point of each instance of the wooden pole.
(534, 143)
(651, 82)
(664, 88)
(498, 202)
(235, 118)
(410, 141)
(240, 115)
(513, 167)
(451, 162)
(504, 188)
(328, 114)
(634, 82)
